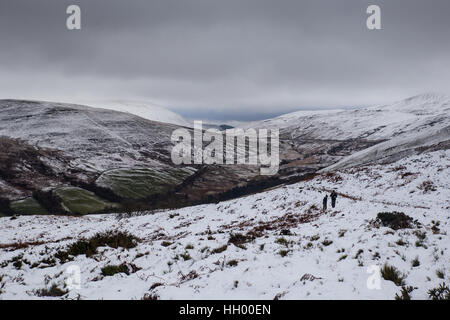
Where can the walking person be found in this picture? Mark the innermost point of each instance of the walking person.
(333, 197)
(325, 199)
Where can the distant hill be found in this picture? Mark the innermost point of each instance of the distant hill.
(145, 110)
(383, 133)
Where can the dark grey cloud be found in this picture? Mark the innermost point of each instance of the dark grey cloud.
(233, 59)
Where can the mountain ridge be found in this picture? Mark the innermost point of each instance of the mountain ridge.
(146, 110)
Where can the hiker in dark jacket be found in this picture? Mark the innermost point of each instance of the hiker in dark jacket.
(333, 197)
(325, 199)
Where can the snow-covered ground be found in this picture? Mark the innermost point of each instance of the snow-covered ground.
(299, 251)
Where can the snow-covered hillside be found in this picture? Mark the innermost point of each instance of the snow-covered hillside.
(96, 139)
(375, 123)
(276, 244)
(288, 119)
(46, 146)
(387, 132)
(145, 110)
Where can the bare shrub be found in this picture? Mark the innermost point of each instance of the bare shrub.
(395, 220)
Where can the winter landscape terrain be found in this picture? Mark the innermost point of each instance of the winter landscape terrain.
(94, 189)
(277, 244)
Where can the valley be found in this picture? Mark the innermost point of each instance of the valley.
(113, 161)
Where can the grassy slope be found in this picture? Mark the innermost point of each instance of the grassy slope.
(139, 183)
(81, 201)
(28, 206)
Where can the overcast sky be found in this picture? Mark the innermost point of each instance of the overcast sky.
(227, 59)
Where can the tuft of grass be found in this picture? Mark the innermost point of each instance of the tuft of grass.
(2, 284)
(150, 296)
(309, 245)
(420, 235)
(427, 186)
(416, 262)
(204, 249)
(88, 246)
(420, 244)
(283, 253)
(166, 243)
(53, 291)
(232, 263)
(327, 242)
(358, 253)
(240, 239)
(405, 293)
(440, 293)
(286, 232)
(191, 275)
(156, 285)
(111, 270)
(420, 238)
(342, 233)
(400, 242)
(434, 227)
(282, 241)
(186, 256)
(219, 249)
(342, 257)
(390, 273)
(189, 247)
(395, 220)
(17, 262)
(440, 274)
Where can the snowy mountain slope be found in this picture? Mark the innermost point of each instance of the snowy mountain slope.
(145, 110)
(105, 138)
(366, 135)
(374, 123)
(47, 145)
(288, 119)
(114, 154)
(289, 248)
(429, 128)
(396, 149)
